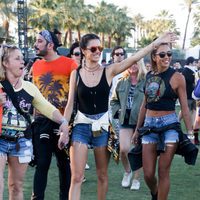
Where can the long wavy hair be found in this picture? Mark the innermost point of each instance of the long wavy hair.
(5, 51)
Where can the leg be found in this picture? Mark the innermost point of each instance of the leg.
(125, 144)
(16, 173)
(43, 154)
(2, 168)
(196, 127)
(63, 164)
(78, 159)
(163, 170)
(149, 158)
(102, 159)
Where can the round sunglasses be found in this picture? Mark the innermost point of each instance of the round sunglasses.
(163, 54)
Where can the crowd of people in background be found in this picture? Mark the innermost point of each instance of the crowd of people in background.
(125, 94)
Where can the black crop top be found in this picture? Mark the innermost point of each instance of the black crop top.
(158, 91)
(93, 100)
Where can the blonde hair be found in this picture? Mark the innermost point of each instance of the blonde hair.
(5, 51)
(141, 70)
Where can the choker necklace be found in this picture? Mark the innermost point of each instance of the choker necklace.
(91, 70)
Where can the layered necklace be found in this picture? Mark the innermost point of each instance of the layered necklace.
(93, 70)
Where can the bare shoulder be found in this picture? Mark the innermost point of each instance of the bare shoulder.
(177, 80)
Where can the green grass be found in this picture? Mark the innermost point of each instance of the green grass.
(185, 182)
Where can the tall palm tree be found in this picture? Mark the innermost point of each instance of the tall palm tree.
(7, 14)
(189, 4)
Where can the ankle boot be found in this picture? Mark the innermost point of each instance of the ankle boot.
(196, 138)
(154, 196)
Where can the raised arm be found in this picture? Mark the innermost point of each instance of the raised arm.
(117, 68)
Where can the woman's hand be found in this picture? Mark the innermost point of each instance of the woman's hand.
(134, 139)
(168, 37)
(2, 98)
(64, 136)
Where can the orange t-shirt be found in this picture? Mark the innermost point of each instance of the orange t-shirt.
(52, 79)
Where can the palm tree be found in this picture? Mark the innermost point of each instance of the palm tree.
(7, 14)
(188, 4)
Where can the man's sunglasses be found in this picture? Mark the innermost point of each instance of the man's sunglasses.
(77, 54)
(163, 54)
(94, 49)
(121, 54)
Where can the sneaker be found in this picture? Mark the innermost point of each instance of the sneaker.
(135, 185)
(126, 181)
(87, 166)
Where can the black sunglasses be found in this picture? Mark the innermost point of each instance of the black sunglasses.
(163, 54)
(77, 54)
(121, 54)
(94, 49)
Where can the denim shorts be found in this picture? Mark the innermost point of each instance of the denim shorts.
(83, 133)
(25, 152)
(170, 136)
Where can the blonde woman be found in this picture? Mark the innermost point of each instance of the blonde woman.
(125, 104)
(14, 124)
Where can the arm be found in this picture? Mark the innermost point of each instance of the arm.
(70, 102)
(117, 68)
(115, 104)
(140, 121)
(181, 91)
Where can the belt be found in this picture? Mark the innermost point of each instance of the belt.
(16, 136)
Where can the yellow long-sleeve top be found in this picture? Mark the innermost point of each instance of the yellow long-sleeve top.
(28, 95)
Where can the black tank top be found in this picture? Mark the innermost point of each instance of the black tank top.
(93, 100)
(159, 93)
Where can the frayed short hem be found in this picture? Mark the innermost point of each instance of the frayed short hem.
(149, 142)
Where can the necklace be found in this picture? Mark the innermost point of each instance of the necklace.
(14, 85)
(91, 70)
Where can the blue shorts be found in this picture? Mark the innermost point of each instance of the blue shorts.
(25, 152)
(83, 133)
(170, 136)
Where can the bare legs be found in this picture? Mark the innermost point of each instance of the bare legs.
(164, 163)
(78, 154)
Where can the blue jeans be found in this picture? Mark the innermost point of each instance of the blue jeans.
(170, 136)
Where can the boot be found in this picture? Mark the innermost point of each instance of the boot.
(196, 138)
(154, 196)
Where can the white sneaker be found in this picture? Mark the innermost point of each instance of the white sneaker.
(135, 185)
(87, 166)
(126, 181)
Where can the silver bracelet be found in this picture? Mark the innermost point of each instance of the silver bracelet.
(64, 121)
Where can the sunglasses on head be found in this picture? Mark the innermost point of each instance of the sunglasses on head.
(94, 48)
(121, 54)
(77, 54)
(163, 54)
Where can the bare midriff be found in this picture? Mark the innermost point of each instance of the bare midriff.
(158, 113)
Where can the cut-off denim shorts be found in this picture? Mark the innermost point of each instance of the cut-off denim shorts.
(170, 136)
(25, 152)
(83, 133)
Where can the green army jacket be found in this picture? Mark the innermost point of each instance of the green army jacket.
(119, 100)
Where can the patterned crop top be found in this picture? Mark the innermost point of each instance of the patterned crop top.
(159, 93)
